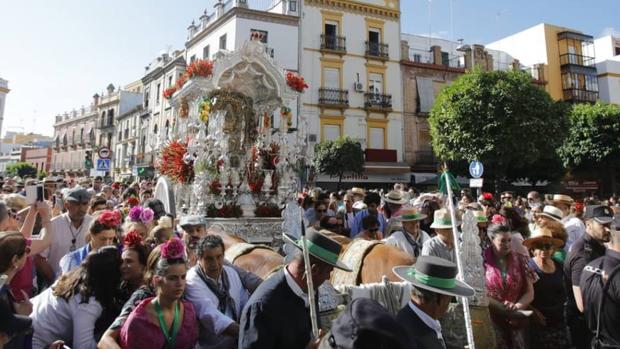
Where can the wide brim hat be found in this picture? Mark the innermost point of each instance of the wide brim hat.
(434, 274)
(542, 235)
(411, 214)
(442, 220)
(551, 212)
(562, 199)
(395, 197)
(358, 191)
(480, 216)
(321, 247)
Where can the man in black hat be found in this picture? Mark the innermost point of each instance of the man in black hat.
(585, 249)
(365, 324)
(600, 281)
(434, 284)
(277, 315)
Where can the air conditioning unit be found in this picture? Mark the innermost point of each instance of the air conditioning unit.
(358, 86)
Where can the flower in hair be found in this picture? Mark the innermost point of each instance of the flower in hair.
(133, 238)
(498, 219)
(487, 196)
(133, 201)
(135, 213)
(173, 249)
(146, 216)
(111, 219)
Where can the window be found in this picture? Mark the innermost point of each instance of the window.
(223, 42)
(417, 57)
(205, 52)
(192, 58)
(375, 83)
(331, 132)
(147, 92)
(292, 6)
(262, 32)
(331, 29)
(331, 78)
(374, 36)
(158, 93)
(170, 81)
(445, 58)
(377, 138)
(617, 51)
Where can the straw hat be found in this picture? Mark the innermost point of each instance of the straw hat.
(358, 191)
(442, 220)
(562, 199)
(395, 197)
(409, 214)
(552, 212)
(321, 247)
(436, 275)
(542, 235)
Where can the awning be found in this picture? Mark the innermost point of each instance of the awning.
(426, 94)
(387, 168)
(423, 178)
(374, 172)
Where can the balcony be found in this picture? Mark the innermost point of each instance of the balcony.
(333, 98)
(576, 59)
(334, 44)
(377, 50)
(580, 96)
(378, 102)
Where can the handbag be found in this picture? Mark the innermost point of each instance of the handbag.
(597, 342)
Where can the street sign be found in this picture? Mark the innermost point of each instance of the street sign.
(476, 169)
(475, 182)
(104, 153)
(103, 165)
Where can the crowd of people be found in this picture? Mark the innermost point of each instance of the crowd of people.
(103, 265)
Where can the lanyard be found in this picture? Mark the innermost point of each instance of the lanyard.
(171, 339)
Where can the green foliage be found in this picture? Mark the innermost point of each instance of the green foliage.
(499, 118)
(41, 175)
(594, 136)
(22, 169)
(335, 158)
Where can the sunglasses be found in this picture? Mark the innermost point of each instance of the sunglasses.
(543, 247)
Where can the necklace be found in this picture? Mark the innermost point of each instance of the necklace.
(73, 234)
(171, 338)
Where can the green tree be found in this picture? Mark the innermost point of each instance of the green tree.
(41, 175)
(22, 169)
(593, 141)
(499, 118)
(335, 158)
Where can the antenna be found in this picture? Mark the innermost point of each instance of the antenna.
(452, 20)
(429, 23)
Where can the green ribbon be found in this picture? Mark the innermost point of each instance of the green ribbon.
(410, 216)
(319, 251)
(453, 183)
(171, 339)
(432, 280)
(443, 221)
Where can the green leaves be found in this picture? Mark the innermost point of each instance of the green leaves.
(337, 157)
(499, 118)
(21, 169)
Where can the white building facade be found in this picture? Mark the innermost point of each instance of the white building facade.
(607, 49)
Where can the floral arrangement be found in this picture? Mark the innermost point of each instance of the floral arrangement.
(133, 238)
(110, 219)
(181, 81)
(268, 210)
(200, 67)
(226, 211)
(286, 113)
(296, 82)
(141, 214)
(173, 249)
(173, 164)
(215, 187)
(204, 109)
(169, 92)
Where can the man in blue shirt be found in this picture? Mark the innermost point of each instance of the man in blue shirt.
(372, 201)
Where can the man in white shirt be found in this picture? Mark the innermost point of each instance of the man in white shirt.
(70, 228)
(217, 294)
(573, 225)
(409, 238)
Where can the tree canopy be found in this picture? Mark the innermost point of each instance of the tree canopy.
(499, 118)
(22, 169)
(335, 158)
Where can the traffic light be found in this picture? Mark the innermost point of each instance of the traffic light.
(88, 161)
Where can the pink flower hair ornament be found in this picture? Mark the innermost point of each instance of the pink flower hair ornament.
(141, 214)
(499, 219)
(173, 249)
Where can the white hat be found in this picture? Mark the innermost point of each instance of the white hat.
(552, 212)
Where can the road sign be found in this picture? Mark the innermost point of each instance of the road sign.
(476, 169)
(103, 165)
(104, 153)
(475, 182)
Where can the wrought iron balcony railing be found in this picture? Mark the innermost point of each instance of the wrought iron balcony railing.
(576, 59)
(333, 97)
(580, 96)
(377, 50)
(334, 43)
(377, 101)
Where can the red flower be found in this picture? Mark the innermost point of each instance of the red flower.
(133, 238)
(181, 81)
(296, 82)
(173, 165)
(133, 201)
(110, 219)
(200, 67)
(173, 249)
(169, 92)
(499, 219)
(487, 196)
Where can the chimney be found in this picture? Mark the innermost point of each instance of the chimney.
(219, 9)
(204, 19)
(489, 61)
(404, 50)
(479, 58)
(110, 89)
(436, 52)
(191, 30)
(516, 65)
(244, 3)
(96, 99)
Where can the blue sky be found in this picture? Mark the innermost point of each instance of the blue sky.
(57, 54)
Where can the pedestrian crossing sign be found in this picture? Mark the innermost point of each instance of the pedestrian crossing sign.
(103, 165)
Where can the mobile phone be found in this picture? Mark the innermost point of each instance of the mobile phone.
(40, 192)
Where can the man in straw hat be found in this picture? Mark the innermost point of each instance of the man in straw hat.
(573, 225)
(277, 315)
(358, 194)
(409, 237)
(602, 272)
(441, 245)
(587, 248)
(434, 284)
